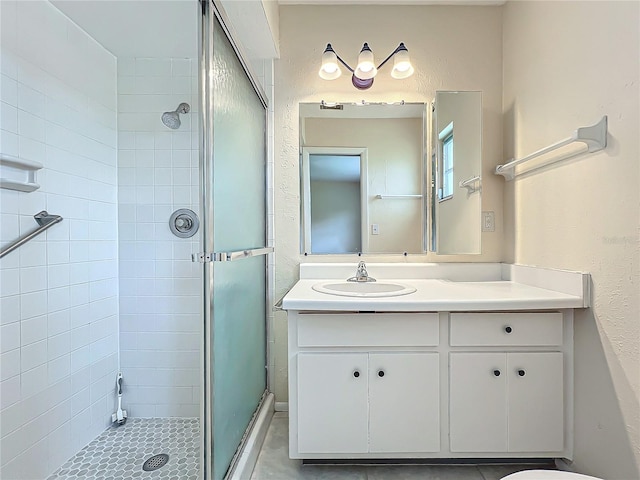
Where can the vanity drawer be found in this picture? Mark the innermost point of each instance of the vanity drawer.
(368, 329)
(506, 329)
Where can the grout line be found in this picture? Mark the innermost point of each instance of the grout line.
(480, 472)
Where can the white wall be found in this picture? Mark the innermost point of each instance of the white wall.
(160, 286)
(59, 305)
(565, 65)
(452, 48)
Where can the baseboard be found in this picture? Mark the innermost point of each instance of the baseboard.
(247, 460)
(563, 464)
(282, 406)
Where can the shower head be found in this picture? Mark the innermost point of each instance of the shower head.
(172, 119)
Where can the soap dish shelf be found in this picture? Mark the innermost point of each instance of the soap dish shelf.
(18, 173)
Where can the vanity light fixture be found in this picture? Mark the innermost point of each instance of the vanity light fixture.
(364, 73)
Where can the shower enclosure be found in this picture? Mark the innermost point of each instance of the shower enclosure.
(141, 131)
(233, 185)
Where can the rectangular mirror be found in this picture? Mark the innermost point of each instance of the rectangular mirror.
(456, 165)
(363, 178)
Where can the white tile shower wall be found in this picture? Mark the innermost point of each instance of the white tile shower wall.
(160, 286)
(59, 292)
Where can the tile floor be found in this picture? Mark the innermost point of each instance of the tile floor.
(119, 452)
(274, 464)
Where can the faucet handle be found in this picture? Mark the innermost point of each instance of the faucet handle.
(361, 274)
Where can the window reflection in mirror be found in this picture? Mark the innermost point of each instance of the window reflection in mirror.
(446, 162)
(362, 179)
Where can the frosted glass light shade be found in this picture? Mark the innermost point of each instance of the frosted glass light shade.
(402, 67)
(330, 70)
(366, 68)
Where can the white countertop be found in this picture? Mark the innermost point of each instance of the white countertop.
(570, 290)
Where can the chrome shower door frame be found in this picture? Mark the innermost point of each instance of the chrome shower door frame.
(210, 11)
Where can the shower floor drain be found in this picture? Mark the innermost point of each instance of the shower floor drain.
(155, 462)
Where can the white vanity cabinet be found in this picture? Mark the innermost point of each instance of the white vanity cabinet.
(476, 363)
(332, 403)
(404, 399)
(430, 385)
(359, 387)
(507, 390)
(506, 402)
(368, 402)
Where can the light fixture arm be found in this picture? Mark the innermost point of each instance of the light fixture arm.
(344, 63)
(398, 48)
(363, 75)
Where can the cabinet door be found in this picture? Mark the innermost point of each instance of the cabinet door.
(404, 402)
(478, 402)
(536, 402)
(332, 403)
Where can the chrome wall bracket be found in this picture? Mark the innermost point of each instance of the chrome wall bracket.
(206, 257)
(202, 257)
(44, 220)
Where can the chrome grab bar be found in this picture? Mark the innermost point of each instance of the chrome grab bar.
(203, 257)
(231, 256)
(383, 196)
(44, 220)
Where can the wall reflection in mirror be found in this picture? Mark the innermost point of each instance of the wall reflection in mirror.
(362, 178)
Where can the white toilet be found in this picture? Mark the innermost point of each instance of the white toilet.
(547, 475)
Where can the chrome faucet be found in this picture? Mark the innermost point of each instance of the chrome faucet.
(361, 274)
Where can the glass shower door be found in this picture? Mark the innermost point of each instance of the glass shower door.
(235, 236)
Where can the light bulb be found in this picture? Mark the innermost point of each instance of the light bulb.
(402, 67)
(330, 70)
(330, 67)
(366, 68)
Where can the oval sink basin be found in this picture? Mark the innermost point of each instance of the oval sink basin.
(364, 289)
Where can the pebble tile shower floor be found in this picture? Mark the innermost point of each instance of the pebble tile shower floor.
(119, 452)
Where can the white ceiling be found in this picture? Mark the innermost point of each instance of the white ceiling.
(169, 28)
(165, 28)
(138, 28)
(392, 2)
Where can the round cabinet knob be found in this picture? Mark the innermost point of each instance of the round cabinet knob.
(521, 373)
(496, 373)
(508, 329)
(356, 374)
(381, 373)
